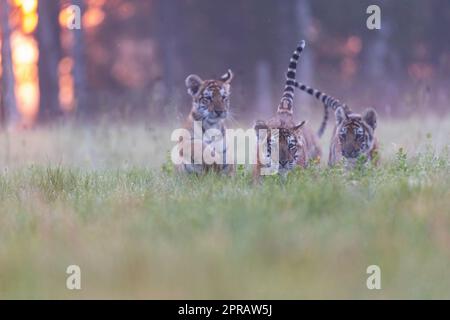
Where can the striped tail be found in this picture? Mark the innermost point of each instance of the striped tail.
(328, 102)
(287, 101)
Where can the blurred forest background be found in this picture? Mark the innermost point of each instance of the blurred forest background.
(130, 58)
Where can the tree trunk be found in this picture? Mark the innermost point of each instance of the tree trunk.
(170, 55)
(380, 62)
(305, 72)
(79, 68)
(8, 107)
(49, 55)
(264, 101)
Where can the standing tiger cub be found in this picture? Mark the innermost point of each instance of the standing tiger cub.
(210, 107)
(354, 134)
(297, 144)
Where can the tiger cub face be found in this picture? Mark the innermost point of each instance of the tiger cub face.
(291, 145)
(355, 133)
(210, 98)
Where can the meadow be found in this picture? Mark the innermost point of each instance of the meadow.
(105, 198)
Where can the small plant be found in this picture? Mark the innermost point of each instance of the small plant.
(168, 167)
(361, 164)
(401, 160)
(241, 171)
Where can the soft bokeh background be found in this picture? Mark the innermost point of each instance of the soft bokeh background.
(130, 58)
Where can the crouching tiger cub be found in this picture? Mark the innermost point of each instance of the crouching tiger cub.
(210, 107)
(354, 134)
(297, 144)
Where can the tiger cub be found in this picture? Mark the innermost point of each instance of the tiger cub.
(210, 108)
(297, 144)
(354, 134)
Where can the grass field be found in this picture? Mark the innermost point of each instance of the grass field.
(98, 198)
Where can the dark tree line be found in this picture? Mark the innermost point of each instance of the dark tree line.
(138, 56)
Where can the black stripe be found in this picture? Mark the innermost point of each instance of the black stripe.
(303, 87)
(288, 89)
(290, 82)
(311, 91)
(291, 74)
(295, 56)
(292, 65)
(318, 94)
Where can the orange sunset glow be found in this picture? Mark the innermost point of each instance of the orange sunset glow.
(24, 20)
(25, 56)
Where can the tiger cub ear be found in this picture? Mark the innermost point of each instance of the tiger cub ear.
(193, 83)
(341, 115)
(299, 126)
(227, 77)
(370, 117)
(261, 125)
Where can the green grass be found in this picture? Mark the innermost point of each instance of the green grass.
(138, 231)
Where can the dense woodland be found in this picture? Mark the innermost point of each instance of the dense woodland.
(130, 58)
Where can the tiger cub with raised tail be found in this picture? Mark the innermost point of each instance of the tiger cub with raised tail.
(353, 137)
(210, 108)
(297, 143)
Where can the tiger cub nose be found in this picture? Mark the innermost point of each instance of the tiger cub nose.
(283, 163)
